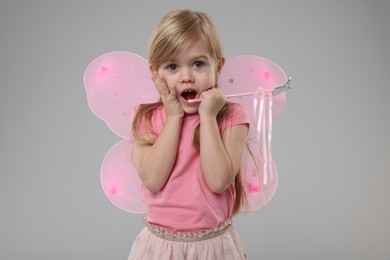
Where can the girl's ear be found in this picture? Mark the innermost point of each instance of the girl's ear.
(220, 65)
(151, 68)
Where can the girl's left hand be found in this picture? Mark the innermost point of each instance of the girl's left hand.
(213, 100)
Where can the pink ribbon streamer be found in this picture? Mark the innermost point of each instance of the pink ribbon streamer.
(263, 133)
(270, 161)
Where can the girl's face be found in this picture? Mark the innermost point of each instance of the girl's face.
(191, 72)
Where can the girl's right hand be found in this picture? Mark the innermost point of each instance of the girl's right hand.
(168, 95)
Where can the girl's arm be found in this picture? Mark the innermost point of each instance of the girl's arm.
(220, 157)
(154, 162)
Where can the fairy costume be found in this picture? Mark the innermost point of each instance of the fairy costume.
(113, 85)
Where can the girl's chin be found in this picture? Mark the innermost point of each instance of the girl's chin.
(190, 111)
(190, 108)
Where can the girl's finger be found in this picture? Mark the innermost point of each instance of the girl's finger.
(163, 85)
(160, 84)
(172, 91)
(156, 83)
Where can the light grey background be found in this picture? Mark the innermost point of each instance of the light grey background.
(331, 145)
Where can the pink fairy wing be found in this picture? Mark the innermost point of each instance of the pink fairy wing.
(119, 179)
(115, 83)
(257, 193)
(247, 73)
(253, 74)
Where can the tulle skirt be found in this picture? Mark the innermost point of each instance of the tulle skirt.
(156, 244)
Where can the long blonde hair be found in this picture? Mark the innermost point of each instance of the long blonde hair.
(175, 32)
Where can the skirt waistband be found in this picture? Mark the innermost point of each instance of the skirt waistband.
(183, 236)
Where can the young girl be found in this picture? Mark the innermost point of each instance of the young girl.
(188, 154)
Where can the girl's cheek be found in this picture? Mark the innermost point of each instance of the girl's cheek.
(171, 82)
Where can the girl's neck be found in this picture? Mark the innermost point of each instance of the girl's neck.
(191, 115)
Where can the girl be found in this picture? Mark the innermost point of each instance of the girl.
(188, 154)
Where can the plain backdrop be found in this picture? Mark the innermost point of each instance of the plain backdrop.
(331, 144)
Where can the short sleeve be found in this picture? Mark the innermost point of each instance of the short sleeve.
(235, 115)
(154, 125)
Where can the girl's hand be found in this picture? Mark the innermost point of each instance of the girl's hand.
(213, 100)
(168, 96)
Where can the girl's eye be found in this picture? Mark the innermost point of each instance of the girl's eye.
(198, 64)
(172, 67)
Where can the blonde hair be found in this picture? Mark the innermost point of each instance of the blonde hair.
(176, 32)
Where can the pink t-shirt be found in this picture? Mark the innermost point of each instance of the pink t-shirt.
(186, 203)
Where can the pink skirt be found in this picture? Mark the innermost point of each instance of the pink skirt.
(155, 243)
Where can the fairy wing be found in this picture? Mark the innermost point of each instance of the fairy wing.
(259, 77)
(119, 178)
(117, 82)
(251, 74)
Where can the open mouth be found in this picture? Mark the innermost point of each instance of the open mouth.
(188, 94)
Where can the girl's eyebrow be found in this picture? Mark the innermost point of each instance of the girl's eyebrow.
(170, 61)
(201, 57)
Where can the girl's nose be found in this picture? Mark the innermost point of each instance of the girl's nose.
(186, 76)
